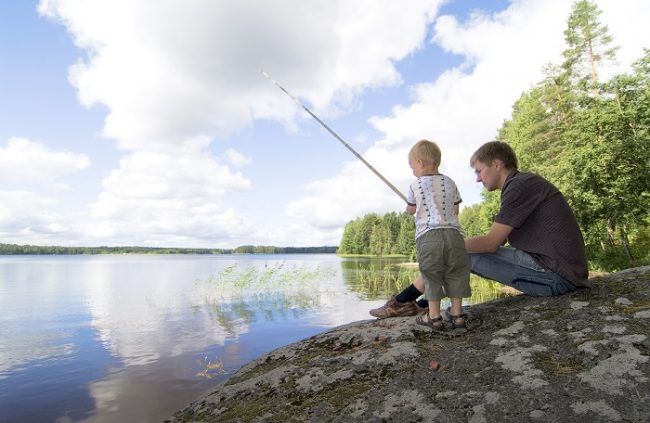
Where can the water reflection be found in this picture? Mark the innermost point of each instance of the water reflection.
(139, 309)
(129, 338)
(379, 279)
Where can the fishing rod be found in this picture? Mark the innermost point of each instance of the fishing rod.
(336, 136)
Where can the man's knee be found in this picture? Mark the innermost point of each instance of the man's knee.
(474, 259)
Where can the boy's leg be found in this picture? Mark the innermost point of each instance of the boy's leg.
(519, 270)
(430, 247)
(456, 276)
(455, 314)
(434, 309)
(418, 283)
(456, 306)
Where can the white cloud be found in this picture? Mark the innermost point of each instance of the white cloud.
(27, 217)
(161, 197)
(169, 71)
(236, 158)
(174, 76)
(626, 21)
(30, 175)
(26, 161)
(353, 192)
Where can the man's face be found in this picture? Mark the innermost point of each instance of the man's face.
(487, 174)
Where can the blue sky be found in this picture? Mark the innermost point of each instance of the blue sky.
(148, 123)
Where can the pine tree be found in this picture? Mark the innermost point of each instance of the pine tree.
(588, 46)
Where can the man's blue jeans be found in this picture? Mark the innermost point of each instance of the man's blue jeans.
(519, 270)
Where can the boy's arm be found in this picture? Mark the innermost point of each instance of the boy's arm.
(489, 242)
(410, 202)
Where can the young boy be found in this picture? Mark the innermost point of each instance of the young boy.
(443, 261)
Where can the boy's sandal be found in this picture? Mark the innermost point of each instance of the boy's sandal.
(435, 324)
(457, 320)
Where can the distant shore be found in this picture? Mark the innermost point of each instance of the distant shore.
(14, 249)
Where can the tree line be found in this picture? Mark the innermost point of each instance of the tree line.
(372, 234)
(269, 249)
(13, 249)
(590, 139)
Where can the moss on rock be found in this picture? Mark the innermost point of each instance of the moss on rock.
(581, 357)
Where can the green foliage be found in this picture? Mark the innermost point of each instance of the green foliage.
(405, 242)
(588, 45)
(470, 220)
(591, 140)
(376, 235)
(375, 281)
(477, 219)
(270, 249)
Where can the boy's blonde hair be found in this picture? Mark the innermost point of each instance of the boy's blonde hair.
(427, 151)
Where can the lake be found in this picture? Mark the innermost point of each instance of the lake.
(137, 337)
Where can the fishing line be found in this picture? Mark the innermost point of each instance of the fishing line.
(336, 136)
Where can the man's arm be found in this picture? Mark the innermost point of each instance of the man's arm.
(489, 242)
(410, 209)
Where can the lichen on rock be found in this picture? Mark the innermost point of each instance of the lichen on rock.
(580, 357)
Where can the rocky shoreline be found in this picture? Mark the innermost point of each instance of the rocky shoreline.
(582, 357)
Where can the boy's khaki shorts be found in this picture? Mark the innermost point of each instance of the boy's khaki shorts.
(444, 264)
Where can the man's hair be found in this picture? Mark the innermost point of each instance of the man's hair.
(427, 151)
(495, 150)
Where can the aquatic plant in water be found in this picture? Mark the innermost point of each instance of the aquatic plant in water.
(237, 294)
(211, 368)
(376, 282)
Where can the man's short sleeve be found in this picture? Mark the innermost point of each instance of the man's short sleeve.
(519, 199)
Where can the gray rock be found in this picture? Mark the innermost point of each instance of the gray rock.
(623, 301)
(521, 359)
(537, 415)
(577, 305)
(645, 314)
(598, 409)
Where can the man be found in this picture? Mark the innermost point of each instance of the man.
(546, 256)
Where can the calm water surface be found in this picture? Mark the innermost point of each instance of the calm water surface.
(136, 337)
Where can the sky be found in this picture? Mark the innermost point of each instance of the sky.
(149, 123)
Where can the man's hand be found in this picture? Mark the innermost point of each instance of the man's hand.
(489, 242)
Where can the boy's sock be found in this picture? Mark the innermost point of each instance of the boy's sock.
(410, 293)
